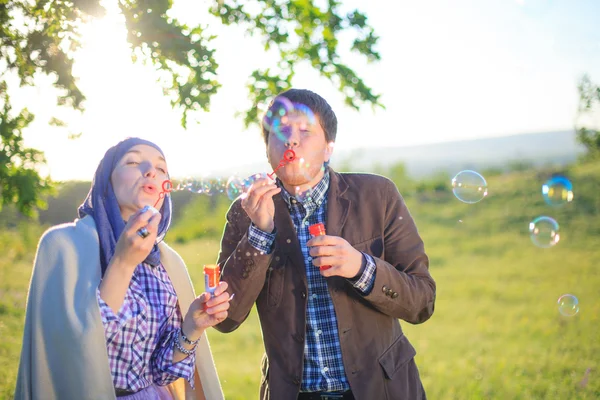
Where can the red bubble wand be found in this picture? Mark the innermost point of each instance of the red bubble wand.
(167, 187)
(288, 157)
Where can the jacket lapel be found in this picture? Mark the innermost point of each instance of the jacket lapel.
(337, 204)
(287, 238)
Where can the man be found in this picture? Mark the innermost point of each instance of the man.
(329, 332)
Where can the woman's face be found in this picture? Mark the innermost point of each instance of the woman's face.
(137, 179)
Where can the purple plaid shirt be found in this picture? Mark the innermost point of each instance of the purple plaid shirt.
(140, 337)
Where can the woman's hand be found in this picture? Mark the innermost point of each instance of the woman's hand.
(206, 311)
(131, 248)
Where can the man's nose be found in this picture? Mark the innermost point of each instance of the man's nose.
(293, 139)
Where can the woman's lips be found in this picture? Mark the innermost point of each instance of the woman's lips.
(150, 189)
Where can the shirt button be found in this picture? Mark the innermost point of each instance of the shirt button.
(294, 201)
(314, 296)
(309, 258)
(319, 332)
(325, 369)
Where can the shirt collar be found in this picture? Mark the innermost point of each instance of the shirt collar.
(317, 193)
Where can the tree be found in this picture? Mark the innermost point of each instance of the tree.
(588, 121)
(39, 37)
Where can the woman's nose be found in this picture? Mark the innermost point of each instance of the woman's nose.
(150, 171)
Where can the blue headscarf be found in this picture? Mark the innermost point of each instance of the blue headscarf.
(101, 204)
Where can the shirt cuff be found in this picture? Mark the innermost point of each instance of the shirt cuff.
(261, 240)
(111, 321)
(167, 369)
(366, 281)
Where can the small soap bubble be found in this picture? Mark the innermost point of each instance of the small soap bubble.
(557, 191)
(235, 187)
(544, 232)
(469, 187)
(568, 305)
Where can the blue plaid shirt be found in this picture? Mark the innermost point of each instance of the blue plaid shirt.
(323, 367)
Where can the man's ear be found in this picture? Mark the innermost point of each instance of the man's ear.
(329, 151)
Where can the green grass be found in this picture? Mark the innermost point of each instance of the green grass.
(496, 332)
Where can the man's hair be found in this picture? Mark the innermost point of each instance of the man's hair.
(317, 105)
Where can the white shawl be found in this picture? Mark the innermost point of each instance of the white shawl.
(64, 353)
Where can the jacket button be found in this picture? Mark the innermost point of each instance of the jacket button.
(245, 274)
(249, 262)
(394, 295)
(389, 292)
(303, 295)
(296, 380)
(384, 289)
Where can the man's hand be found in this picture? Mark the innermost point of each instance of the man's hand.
(344, 259)
(258, 204)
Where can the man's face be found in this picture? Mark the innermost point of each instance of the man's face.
(302, 133)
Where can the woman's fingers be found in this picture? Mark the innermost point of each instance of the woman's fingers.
(141, 219)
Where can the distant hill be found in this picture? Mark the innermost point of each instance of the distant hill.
(556, 148)
(502, 153)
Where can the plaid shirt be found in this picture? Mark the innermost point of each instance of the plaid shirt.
(323, 368)
(140, 337)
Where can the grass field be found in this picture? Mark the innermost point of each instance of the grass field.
(496, 332)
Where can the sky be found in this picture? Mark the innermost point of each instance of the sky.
(450, 70)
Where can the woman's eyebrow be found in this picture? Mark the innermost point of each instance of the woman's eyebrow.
(161, 158)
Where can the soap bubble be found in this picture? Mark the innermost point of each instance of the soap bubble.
(544, 232)
(568, 305)
(469, 187)
(557, 191)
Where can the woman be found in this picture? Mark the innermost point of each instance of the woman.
(107, 296)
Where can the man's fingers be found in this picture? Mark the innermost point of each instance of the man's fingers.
(256, 193)
(329, 270)
(327, 260)
(324, 250)
(268, 196)
(324, 240)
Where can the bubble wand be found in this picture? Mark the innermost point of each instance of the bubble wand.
(288, 157)
(167, 187)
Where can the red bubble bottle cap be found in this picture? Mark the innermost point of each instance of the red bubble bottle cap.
(317, 229)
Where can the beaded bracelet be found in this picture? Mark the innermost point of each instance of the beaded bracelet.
(183, 349)
(188, 341)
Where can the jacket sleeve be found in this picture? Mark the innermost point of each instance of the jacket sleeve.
(403, 287)
(243, 267)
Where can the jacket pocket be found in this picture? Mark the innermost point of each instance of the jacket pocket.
(396, 357)
(373, 246)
